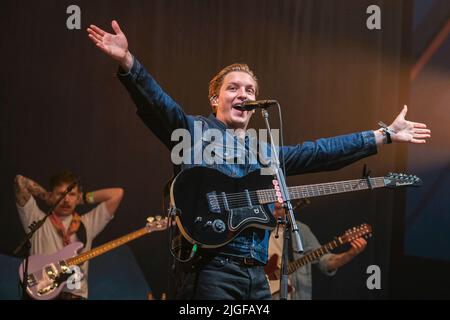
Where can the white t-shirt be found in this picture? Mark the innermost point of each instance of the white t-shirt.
(47, 240)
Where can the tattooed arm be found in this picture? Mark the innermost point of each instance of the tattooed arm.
(25, 187)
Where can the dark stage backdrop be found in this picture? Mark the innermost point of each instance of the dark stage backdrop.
(427, 221)
(63, 108)
(422, 231)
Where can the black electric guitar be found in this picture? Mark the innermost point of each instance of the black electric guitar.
(213, 208)
(273, 273)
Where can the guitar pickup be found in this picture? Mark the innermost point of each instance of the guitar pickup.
(213, 202)
(64, 267)
(31, 280)
(247, 197)
(51, 271)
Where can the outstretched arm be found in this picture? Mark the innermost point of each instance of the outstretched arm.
(112, 198)
(156, 108)
(405, 131)
(338, 260)
(24, 188)
(114, 45)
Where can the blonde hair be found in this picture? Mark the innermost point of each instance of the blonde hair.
(216, 83)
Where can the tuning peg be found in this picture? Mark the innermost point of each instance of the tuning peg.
(158, 218)
(150, 219)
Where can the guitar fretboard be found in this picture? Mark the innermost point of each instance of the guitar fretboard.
(315, 190)
(106, 247)
(310, 257)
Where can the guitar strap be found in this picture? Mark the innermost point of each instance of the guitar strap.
(81, 233)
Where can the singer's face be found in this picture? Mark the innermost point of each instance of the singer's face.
(68, 204)
(237, 87)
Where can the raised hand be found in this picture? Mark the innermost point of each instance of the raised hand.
(408, 131)
(114, 45)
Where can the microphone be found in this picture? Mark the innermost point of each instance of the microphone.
(252, 105)
(71, 186)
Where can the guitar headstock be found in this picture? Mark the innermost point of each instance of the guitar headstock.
(364, 230)
(156, 223)
(393, 180)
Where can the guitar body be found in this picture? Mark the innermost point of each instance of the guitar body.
(273, 272)
(274, 283)
(206, 219)
(46, 275)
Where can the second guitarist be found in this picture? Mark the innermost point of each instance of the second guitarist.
(300, 285)
(65, 226)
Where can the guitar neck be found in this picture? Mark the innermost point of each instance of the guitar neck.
(85, 256)
(310, 257)
(322, 189)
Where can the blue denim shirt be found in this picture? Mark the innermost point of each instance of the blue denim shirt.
(162, 115)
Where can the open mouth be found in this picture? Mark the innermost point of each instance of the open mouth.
(238, 107)
(239, 112)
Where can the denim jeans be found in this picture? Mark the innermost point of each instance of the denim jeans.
(219, 278)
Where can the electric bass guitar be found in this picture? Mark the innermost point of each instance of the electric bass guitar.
(213, 208)
(48, 274)
(273, 272)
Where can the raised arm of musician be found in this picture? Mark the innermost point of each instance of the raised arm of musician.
(24, 188)
(111, 197)
(155, 107)
(114, 45)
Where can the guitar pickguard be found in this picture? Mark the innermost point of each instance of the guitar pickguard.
(247, 215)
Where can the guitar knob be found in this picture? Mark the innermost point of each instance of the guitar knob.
(219, 226)
(198, 219)
(208, 224)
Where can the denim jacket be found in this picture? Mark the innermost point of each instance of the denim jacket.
(162, 115)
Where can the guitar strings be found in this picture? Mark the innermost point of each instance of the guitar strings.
(239, 199)
(269, 195)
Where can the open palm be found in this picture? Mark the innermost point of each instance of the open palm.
(409, 131)
(114, 45)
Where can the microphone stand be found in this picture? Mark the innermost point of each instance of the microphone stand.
(290, 221)
(34, 226)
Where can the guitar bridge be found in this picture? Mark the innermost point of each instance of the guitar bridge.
(47, 289)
